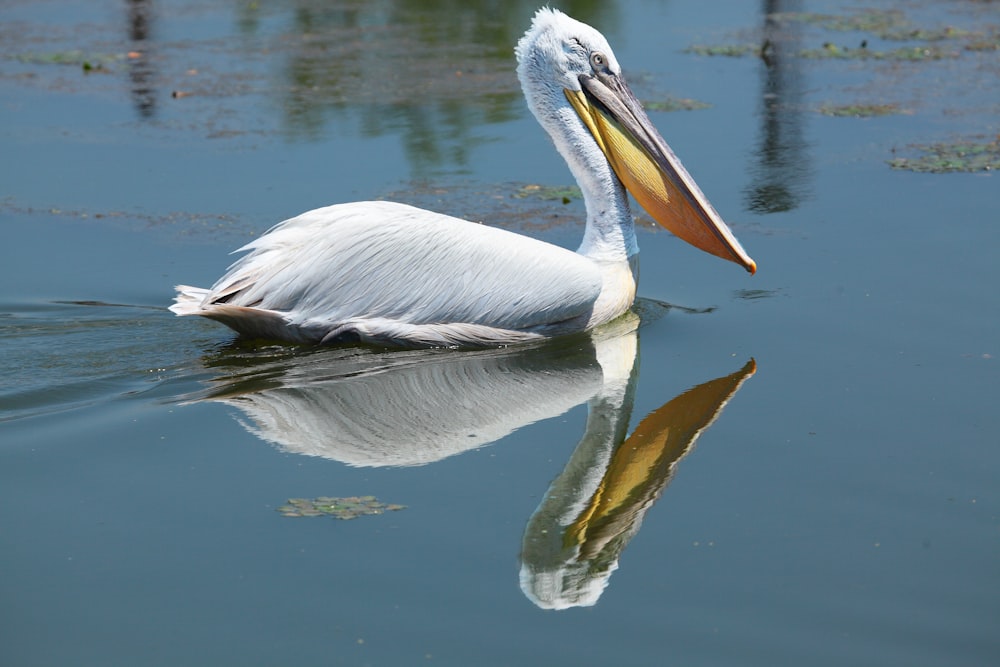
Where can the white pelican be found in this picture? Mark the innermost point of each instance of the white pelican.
(393, 274)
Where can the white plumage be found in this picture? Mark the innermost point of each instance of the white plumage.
(390, 273)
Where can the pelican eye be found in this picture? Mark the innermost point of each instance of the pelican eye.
(598, 60)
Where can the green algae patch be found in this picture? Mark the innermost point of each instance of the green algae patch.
(726, 50)
(830, 51)
(945, 158)
(986, 42)
(929, 34)
(866, 20)
(887, 25)
(861, 110)
(88, 62)
(676, 104)
(874, 21)
(891, 25)
(350, 507)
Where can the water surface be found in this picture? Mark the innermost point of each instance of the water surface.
(798, 467)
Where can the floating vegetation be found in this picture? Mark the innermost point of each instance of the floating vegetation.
(924, 35)
(565, 194)
(943, 158)
(860, 110)
(831, 51)
(989, 42)
(866, 20)
(726, 50)
(676, 104)
(889, 25)
(89, 62)
(909, 53)
(885, 24)
(350, 507)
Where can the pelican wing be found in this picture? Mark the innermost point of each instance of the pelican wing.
(391, 272)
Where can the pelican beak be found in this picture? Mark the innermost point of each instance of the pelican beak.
(647, 167)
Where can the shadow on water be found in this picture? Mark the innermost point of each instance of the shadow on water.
(371, 408)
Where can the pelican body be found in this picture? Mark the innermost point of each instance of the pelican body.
(387, 273)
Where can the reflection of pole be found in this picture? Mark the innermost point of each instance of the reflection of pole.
(140, 70)
(779, 176)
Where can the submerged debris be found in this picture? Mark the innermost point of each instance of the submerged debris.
(350, 507)
(943, 158)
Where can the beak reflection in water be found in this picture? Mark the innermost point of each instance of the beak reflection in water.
(595, 507)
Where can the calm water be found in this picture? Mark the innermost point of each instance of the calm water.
(840, 506)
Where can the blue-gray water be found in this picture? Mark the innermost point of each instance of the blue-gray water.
(841, 509)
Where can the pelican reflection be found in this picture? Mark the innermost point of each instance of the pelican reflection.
(366, 407)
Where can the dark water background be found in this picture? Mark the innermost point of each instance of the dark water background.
(842, 509)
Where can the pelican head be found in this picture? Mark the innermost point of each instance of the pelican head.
(575, 88)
